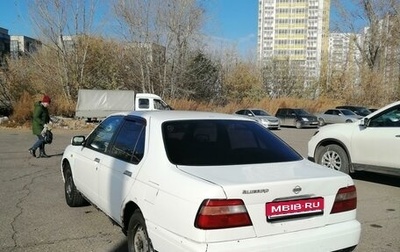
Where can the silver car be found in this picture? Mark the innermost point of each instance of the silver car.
(337, 116)
(261, 116)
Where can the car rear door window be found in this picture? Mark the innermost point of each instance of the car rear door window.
(129, 142)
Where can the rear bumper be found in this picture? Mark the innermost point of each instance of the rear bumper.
(329, 238)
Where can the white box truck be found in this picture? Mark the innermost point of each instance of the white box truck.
(96, 104)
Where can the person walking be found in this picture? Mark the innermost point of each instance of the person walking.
(40, 120)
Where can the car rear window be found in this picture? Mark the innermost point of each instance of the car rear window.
(223, 142)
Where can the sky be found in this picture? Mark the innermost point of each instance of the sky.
(234, 22)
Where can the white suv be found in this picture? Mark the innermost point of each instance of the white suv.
(371, 144)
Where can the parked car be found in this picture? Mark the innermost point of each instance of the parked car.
(198, 181)
(337, 116)
(370, 145)
(299, 118)
(261, 116)
(359, 110)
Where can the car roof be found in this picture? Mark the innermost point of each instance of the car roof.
(168, 115)
(349, 106)
(251, 109)
(341, 109)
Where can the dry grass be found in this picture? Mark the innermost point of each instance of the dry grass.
(270, 105)
(22, 112)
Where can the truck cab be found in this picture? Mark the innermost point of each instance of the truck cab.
(147, 101)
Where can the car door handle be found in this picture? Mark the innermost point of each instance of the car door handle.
(97, 160)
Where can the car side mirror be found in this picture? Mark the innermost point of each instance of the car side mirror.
(249, 114)
(363, 122)
(78, 140)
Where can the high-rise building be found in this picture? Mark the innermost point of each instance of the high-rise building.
(296, 31)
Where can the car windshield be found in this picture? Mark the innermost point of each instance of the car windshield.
(259, 112)
(223, 142)
(301, 112)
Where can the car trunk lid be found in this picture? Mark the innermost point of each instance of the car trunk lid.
(279, 197)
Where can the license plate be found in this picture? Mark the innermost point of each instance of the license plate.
(294, 208)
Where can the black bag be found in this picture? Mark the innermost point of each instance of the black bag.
(48, 137)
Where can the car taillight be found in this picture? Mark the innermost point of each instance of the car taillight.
(222, 213)
(346, 200)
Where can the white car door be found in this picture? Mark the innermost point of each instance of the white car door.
(87, 162)
(378, 144)
(120, 168)
(85, 170)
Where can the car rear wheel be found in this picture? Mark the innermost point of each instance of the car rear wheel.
(72, 195)
(321, 122)
(333, 156)
(138, 239)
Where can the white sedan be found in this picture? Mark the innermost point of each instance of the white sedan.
(337, 116)
(371, 145)
(197, 181)
(260, 116)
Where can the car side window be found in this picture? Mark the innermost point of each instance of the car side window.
(144, 103)
(129, 142)
(391, 118)
(101, 137)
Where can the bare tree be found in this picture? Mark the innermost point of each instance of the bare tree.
(172, 24)
(377, 24)
(64, 26)
(282, 78)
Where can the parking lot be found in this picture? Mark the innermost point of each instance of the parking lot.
(35, 217)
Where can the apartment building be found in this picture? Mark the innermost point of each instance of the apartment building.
(342, 50)
(23, 45)
(294, 30)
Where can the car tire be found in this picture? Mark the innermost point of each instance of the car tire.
(321, 121)
(349, 121)
(335, 157)
(299, 125)
(72, 196)
(138, 238)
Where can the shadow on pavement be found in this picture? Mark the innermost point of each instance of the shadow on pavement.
(377, 178)
(123, 247)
